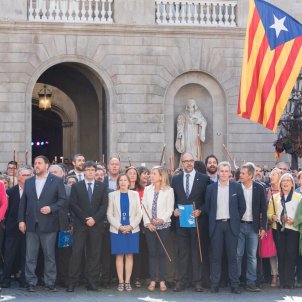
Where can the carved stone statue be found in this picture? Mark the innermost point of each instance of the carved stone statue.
(191, 129)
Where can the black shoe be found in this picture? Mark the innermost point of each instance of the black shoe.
(179, 287)
(31, 288)
(70, 288)
(6, 284)
(214, 290)
(252, 288)
(93, 287)
(235, 290)
(51, 288)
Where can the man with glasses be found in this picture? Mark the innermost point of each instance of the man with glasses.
(14, 244)
(189, 186)
(88, 205)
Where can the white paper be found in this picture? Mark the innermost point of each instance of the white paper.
(291, 208)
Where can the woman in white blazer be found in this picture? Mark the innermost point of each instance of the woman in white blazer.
(124, 215)
(158, 201)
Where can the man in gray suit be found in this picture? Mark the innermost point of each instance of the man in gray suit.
(43, 196)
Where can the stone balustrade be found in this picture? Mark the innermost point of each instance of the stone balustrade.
(196, 13)
(77, 11)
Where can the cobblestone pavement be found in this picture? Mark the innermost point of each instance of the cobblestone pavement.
(111, 295)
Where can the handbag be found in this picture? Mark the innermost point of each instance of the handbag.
(65, 238)
(267, 247)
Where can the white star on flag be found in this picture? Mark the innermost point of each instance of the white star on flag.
(279, 25)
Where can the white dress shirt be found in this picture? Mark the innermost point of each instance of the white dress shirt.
(92, 182)
(223, 210)
(248, 195)
(191, 180)
(40, 182)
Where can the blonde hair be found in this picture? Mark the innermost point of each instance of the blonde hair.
(164, 184)
(287, 175)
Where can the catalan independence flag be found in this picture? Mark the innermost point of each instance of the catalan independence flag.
(271, 63)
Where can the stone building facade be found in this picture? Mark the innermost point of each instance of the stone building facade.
(119, 85)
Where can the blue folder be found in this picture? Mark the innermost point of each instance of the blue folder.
(186, 220)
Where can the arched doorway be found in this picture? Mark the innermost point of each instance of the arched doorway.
(47, 133)
(83, 131)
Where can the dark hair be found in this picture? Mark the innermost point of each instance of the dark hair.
(76, 156)
(137, 182)
(142, 169)
(200, 166)
(118, 180)
(44, 158)
(210, 156)
(89, 164)
(70, 176)
(12, 162)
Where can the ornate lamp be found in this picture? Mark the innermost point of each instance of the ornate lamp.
(45, 95)
(290, 126)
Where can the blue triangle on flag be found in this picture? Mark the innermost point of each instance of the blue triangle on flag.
(279, 26)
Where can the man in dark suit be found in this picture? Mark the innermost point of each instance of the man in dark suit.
(78, 166)
(225, 206)
(62, 254)
(14, 244)
(107, 260)
(42, 198)
(189, 186)
(253, 223)
(88, 205)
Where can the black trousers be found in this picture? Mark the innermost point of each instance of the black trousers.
(287, 243)
(205, 248)
(140, 265)
(88, 239)
(188, 255)
(14, 247)
(157, 257)
(223, 236)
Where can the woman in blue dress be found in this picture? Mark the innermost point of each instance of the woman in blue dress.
(124, 215)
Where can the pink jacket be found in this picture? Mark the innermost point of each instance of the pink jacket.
(3, 201)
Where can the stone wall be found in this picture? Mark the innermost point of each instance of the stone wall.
(147, 72)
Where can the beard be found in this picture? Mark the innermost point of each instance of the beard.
(212, 169)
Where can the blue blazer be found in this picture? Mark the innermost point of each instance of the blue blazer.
(52, 195)
(237, 206)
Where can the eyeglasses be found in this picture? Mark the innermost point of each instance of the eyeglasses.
(188, 161)
(26, 175)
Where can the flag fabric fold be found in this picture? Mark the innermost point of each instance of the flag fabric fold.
(272, 61)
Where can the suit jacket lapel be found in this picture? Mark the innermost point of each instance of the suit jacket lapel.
(215, 198)
(117, 201)
(195, 183)
(32, 184)
(181, 184)
(49, 179)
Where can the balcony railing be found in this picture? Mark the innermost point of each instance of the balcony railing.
(77, 11)
(195, 12)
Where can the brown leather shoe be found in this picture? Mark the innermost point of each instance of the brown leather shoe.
(162, 286)
(151, 287)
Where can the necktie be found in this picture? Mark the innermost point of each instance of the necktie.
(187, 185)
(89, 191)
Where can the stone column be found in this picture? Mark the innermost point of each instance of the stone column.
(135, 12)
(15, 10)
(242, 12)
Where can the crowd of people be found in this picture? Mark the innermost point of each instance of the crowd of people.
(199, 228)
